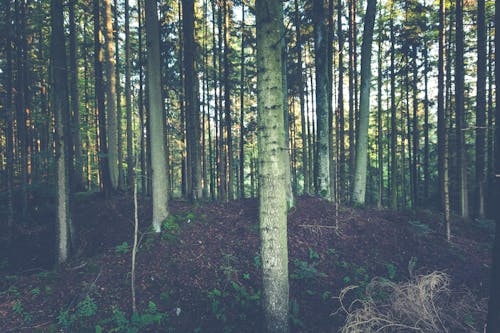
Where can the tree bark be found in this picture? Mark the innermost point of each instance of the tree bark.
(272, 164)
(128, 98)
(156, 126)
(320, 61)
(61, 111)
(359, 190)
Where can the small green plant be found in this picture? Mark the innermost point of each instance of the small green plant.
(411, 265)
(78, 319)
(123, 248)
(12, 291)
(218, 310)
(18, 309)
(294, 314)
(391, 270)
(257, 262)
(170, 228)
(48, 290)
(35, 291)
(244, 296)
(305, 271)
(139, 322)
(313, 255)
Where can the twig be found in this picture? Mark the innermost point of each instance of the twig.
(317, 226)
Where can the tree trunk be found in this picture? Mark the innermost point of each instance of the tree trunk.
(61, 111)
(380, 171)
(192, 106)
(394, 128)
(227, 105)
(426, 124)
(77, 177)
(460, 112)
(272, 165)
(116, 29)
(99, 96)
(158, 156)
(320, 60)
(111, 95)
(481, 110)
(340, 106)
(128, 98)
(242, 104)
(359, 189)
(442, 126)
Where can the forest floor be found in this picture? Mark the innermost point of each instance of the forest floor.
(202, 273)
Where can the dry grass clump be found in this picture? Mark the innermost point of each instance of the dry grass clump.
(423, 304)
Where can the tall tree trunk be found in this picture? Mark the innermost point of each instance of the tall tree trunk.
(426, 124)
(111, 95)
(242, 104)
(442, 126)
(61, 111)
(380, 134)
(272, 165)
(227, 104)
(142, 148)
(158, 156)
(481, 110)
(99, 104)
(116, 29)
(320, 60)
(77, 177)
(340, 105)
(394, 128)
(128, 98)
(352, 99)
(359, 189)
(192, 106)
(9, 126)
(300, 78)
(460, 112)
(415, 133)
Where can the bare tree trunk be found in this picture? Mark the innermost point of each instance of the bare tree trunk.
(128, 97)
(242, 104)
(227, 104)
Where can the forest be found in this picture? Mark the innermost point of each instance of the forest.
(249, 166)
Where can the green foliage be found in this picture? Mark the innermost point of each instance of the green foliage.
(170, 228)
(35, 291)
(12, 291)
(391, 270)
(138, 322)
(294, 314)
(18, 309)
(257, 262)
(244, 296)
(420, 228)
(313, 255)
(305, 271)
(78, 319)
(123, 248)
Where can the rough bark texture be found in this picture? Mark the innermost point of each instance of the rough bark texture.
(61, 106)
(192, 106)
(111, 95)
(359, 189)
(320, 60)
(481, 110)
(158, 156)
(272, 182)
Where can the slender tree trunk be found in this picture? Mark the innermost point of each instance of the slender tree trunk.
(116, 29)
(426, 124)
(481, 110)
(144, 181)
(192, 106)
(394, 130)
(272, 161)
(340, 106)
(359, 190)
(242, 104)
(128, 98)
(415, 133)
(460, 112)
(227, 105)
(158, 156)
(111, 95)
(352, 73)
(442, 126)
(380, 134)
(77, 177)
(61, 111)
(99, 104)
(321, 54)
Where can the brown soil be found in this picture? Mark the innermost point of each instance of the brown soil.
(206, 276)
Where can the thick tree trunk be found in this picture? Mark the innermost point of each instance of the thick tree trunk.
(359, 189)
(272, 165)
(156, 126)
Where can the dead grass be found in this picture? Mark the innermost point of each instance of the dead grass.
(423, 304)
